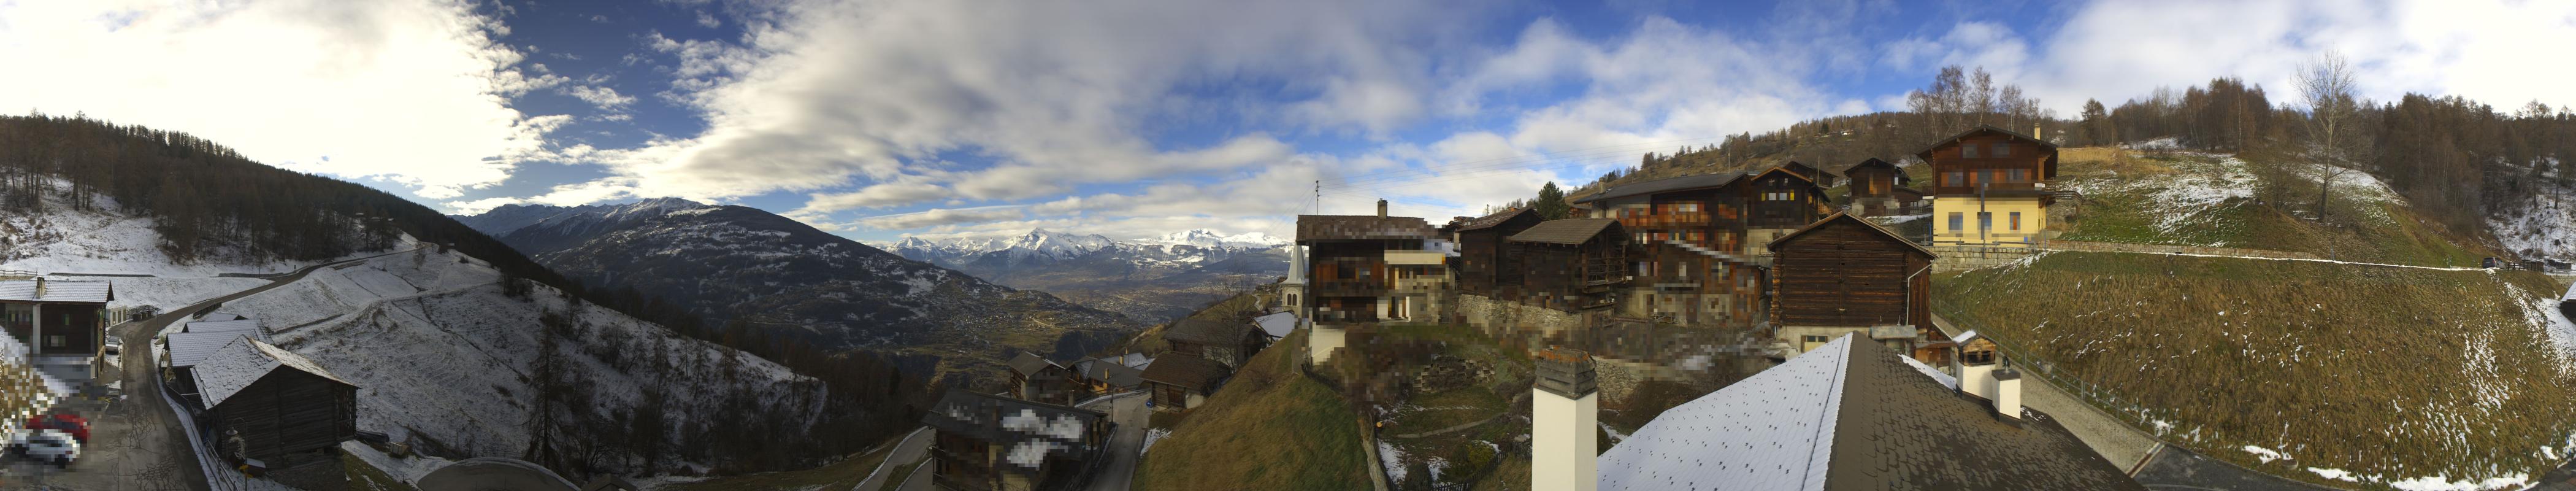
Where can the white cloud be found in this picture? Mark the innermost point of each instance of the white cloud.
(940, 216)
(410, 91)
(475, 207)
(600, 95)
(825, 94)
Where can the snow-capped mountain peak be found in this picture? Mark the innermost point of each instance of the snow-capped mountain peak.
(1212, 239)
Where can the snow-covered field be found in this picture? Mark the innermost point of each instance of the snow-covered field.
(439, 352)
(171, 293)
(2541, 226)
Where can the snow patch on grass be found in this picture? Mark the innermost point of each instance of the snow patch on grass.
(2443, 483)
(2266, 455)
(1151, 436)
(1391, 459)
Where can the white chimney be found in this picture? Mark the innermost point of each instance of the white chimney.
(2006, 393)
(1381, 208)
(1565, 414)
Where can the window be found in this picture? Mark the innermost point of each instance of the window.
(57, 341)
(1968, 151)
(2003, 149)
(1814, 339)
(1957, 179)
(1985, 221)
(2017, 175)
(2016, 221)
(1956, 222)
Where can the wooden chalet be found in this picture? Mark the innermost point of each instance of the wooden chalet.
(1844, 275)
(55, 317)
(1182, 382)
(1036, 378)
(1354, 262)
(273, 408)
(1823, 179)
(1879, 189)
(1226, 343)
(1990, 187)
(990, 442)
(1572, 264)
(1483, 267)
(1689, 236)
(1112, 375)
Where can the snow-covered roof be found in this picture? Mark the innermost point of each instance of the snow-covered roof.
(248, 327)
(1851, 415)
(221, 316)
(42, 290)
(1277, 325)
(2571, 294)
(236, 365)
(190, 348)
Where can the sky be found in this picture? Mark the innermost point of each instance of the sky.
(885, 119)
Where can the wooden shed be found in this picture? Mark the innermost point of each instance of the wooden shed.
(1572, 264)
(274, 406)
(1482, 263)
(1845, 275)
(1182, 382)
(1227, 343)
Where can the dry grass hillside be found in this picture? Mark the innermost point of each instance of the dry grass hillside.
(1269, 428)
(2389, 373)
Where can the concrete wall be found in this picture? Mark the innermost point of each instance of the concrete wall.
(1323, 342)
(1564, 446)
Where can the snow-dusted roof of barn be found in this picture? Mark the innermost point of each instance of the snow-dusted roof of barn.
(57, 291)
(238, 326)
(188, 349)
(238, 364)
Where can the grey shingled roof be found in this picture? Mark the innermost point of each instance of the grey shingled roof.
(1361, 227)
(1028, 432)
(236, 365)
(1186, 371)
(1030, 364)
(1851, 415)
(1668, 184)
(1489, 221)
(1109, 370)
(1926, 152)
(57, 291)
(1204, 331)
(1567, 231)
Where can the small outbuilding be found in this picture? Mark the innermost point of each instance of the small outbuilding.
(274, 406)
(1182, 382)
(1845, 275)
(990, 442)
(1572, 264)
(1039, 379)
(1227, 343)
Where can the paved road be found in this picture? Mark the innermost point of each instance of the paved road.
(136, 443)
(913, 447)
(1129, 413)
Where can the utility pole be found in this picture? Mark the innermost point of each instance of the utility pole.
(1319, 196)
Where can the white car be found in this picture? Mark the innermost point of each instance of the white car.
(45, 446)
(115, 346)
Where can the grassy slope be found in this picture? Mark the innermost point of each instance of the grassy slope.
(2393, 372)
(1469, 454)
(1269, 428)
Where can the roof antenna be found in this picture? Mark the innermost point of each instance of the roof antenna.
(1319, 196)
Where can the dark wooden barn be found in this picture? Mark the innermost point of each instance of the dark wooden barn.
(1572, 264)
(1821, 178)
(1227, 343)
(1348, 278)
(1992, 161)
(1876, 186)
(1038, 379)
(1482, 265)
(1180, 382)
(1784, 199)
(274, 406)
(1844, 275)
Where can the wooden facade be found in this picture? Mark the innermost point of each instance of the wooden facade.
(1784, 199)
(1573, 264)
(1992, 162)
(1846, 272)
(70, 317)
(285, 416)
(1482, 264)
(1227, 343)
(1878, 189)
(978, 447)
(1348, 277)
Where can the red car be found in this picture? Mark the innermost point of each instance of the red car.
(77, 427)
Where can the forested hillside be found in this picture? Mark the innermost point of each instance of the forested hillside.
(207, 202)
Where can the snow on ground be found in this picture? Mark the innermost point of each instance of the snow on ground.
(166, 294)
(405, 469)
(2335, 474)
(2542, 225)
(1151, 436)
(1391, 459)
(438, 351)
(2442, 483)
(62, 239)
(2166, 143)
(2264, 454)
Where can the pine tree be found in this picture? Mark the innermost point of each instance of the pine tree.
(1551, 203)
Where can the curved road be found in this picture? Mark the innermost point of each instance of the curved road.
(136, 442)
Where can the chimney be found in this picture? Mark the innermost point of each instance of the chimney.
(1565, 409)
(2034, 131)
(1381, 208)
(40, 284)
(2007, 393)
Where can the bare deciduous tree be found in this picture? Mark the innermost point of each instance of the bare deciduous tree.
(2326, 85)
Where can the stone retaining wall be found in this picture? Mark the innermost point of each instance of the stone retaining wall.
(1501, 319)
(1962, 258)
